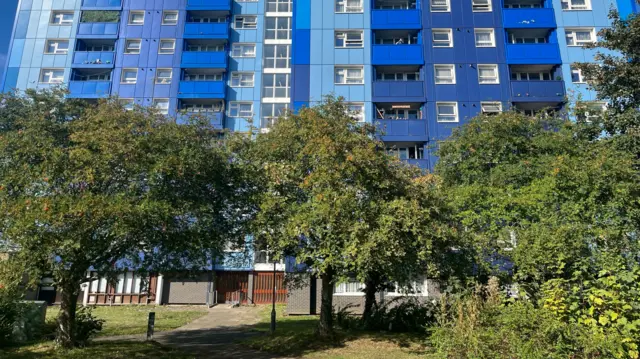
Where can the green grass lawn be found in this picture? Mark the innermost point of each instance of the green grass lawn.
(295, 336)
(102, 350)
(132, 319)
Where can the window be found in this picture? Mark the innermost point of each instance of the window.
(169, 18)
(397, 76)
(202, 107)
(100, 47)
(481, 5)
(440, 6)
(202, 77)
(205, 48)
(241, 109)
(590, 111)
(245, 22)
(243, 50)
(207, 19)
(136, 17)
(127, 103)
(445, 74)
(523, 6)
(162, 105)
(349, 75)
(132, 47)
(277, 56)
(488, 74)
(349, 39)
(51, 76)
(163, 76)
(415, 152)
(351, 287)
(278, 5)
(442, 38)
(531, 76)
(271, 112)
(126, 283)
(356, 110)
(523, 39)
(129, 76)
(491, 107)
(579, 37)
(447, 111)
(63, 18)
(242, 79)
(346, 6)
(167, 46)
(277, 28)
(57, 47)
(576, 5)
(275, 85)
(414, 288)
(485, 38)
(576, 76)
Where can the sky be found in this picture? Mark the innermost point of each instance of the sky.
(7, 16)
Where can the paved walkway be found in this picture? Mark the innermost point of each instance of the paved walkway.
(214, 335)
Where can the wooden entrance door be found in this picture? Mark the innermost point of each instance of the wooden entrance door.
(232, 287)
(263, 288)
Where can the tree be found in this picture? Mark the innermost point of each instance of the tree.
(98, 187)
(330, 194)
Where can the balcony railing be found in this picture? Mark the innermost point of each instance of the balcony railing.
(537, 91)
(98, 30)
(397, 54)
(93, 59)
(395, 19)
(532, 54)
(89, 89)
(394, 91)
(209, 60)
(201, 89)
(217, 5)
(101, 5)
(215, 118)
(528, 18)
(402, 130)
(206, 31)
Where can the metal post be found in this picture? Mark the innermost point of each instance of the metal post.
(273, 308)
(150, 325)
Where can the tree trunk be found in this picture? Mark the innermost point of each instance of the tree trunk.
(369, 301)
(325, 327)
(65, 334)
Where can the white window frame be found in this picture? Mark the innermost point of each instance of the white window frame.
(490, 103)
(495, 80)
(357, 114)
(128, 50)
(346, 77)
(342, 7)
(567, 5)
(448, 43)
(52, 80)
(578, 71)
(277, 32)
(123, 79)
(440, 7)
(425, 290)
(131, 20)
(571, 33)
(173, 48)
(288, 4)
(164, 80)
(162, 110)
(56, 43)
(60, 14)
(241, 45)
(236, 106)
(340, 289)
(488, 7)
(344, 35)
(172, 22)
(127, 103)
(266, 57)
(444, 81)
(240, 77)
(275, 87)
(491, 31)
(269, 115)
(455, 115)
(245, 25)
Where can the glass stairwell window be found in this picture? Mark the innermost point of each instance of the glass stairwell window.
(277, 28)
(279, 6)
(271, 112)
(277, 56)
(349, 6)
(275, 86)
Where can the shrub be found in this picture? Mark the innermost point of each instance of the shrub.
(11, 310)
(402, 314)
(86, 326)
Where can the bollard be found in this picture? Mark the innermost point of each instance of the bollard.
(150, 325)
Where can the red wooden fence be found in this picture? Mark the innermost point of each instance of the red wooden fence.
(263, 288)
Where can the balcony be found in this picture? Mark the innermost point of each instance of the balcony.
(206, 31)
(533, 54)
(528, 18)
(93, 59)
(89, 89)
(396, 19)
(200, 60)
(98, 30)
(537, 91)
(101, 5)
(201, 89)
(213, 5)
(216, 119)
(397, 55)
(402, 130)
(398, 91)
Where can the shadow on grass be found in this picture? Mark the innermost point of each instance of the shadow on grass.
(102, 350)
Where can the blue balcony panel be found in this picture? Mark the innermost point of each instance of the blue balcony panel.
(201, 89)
(98, 30)
(422, 163)
(89, 89)
(101, 5)
(215, 118)
(533, 54)
(209, 60)
(206, 31)
(93, 59)
(528, 18)
(398, 91)
(397, 55)
(402, 130)
(217, 5)
(395, 19)
(537, 91)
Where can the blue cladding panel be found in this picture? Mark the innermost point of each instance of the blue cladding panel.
(397, 55)
(98, 30)
(423, 164)
(89, 89)
(301, 83)
(101, 4)
(395, 19)
(206, 31)
(537, 91)
(219, 5)
(394, 91)
(403, 130)
(94, 59)
(302, 49)
(202, 89)
(204, 59)
(531, 54)
(529, 18)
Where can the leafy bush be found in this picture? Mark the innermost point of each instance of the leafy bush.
(11, 310)
(402, 314)
(86, 326)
